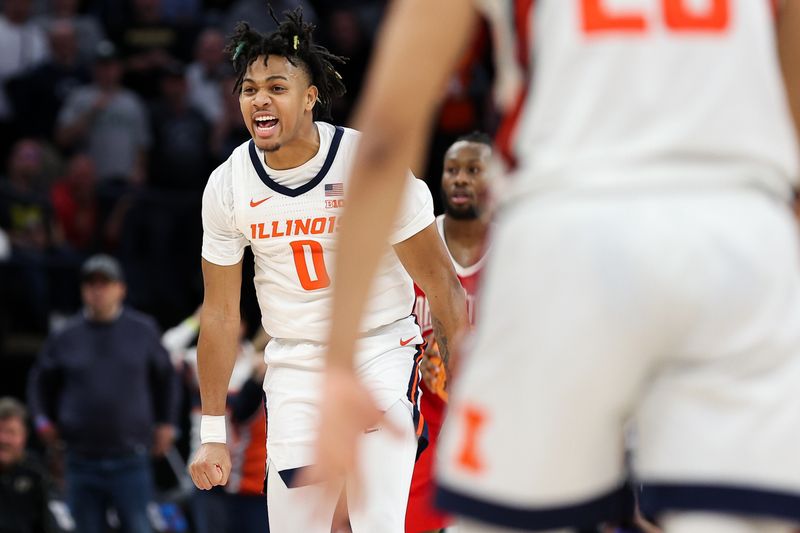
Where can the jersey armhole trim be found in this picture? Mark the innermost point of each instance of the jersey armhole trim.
(272, 184)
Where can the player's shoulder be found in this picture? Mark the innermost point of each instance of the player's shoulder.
(350, 133)
(349, 136)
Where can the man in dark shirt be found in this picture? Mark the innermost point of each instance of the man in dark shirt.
(23, 489)
(104, 385)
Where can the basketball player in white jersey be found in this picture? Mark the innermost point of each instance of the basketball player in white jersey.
(464, 228)
(281, 193)
(645, 265)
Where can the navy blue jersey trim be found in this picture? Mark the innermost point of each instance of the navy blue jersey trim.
(290, 474)
(655, 499)
(277, 187)
(614, 506)
(413, 394)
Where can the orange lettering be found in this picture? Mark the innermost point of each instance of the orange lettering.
(275, 229)
(679, 18)
(596, 18)
(317, 226)
(468, 458)
(262, 234)
(253, 230)
(301, 226)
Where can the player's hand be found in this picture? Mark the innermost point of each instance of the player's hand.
(428, 365)
(210, 466)
(346, 414)
(432, 368)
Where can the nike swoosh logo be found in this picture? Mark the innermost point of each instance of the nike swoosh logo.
(405, 342)
(258, 203)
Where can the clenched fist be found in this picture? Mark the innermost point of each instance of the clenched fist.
(210, 466)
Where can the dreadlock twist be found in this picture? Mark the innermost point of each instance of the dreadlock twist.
(293, 40)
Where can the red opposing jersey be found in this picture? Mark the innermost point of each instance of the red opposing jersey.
(421, 515)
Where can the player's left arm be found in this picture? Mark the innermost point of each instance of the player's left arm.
(427, 262)
(407, 77)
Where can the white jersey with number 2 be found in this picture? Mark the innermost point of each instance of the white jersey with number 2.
(648, 93)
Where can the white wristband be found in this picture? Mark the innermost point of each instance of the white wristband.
(212, 429)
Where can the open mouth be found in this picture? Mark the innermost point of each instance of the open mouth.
(265, 125)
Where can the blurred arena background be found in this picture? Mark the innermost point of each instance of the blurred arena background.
(130, 184)
(112, 115)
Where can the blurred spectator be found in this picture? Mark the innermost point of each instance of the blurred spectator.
(23, 45)
(346, 36)
(75, 204)
(149, 43)
(39, 94)
(205, 74)
(23, 485)
(104, 384)
(107, 120)
(465, 107)
(229, 131)
(256, 13)
(182, 12)
(89, 31)
(240, 506)
(23, 208)
(26, 216)
(181, 136)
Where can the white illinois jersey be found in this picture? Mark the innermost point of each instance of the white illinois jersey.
(643, 93)
(291, 231)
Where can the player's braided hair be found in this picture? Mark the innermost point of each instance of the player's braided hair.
(293, 40)
(476, 136)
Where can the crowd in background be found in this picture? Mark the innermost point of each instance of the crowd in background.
(112, 115)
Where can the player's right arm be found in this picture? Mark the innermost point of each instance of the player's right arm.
(216, 355)
(789, 50)
(426, 260)
(217, 346)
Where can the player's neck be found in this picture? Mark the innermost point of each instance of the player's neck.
(296, 152)
(465, 239)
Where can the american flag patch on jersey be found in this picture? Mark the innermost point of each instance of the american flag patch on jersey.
(334, 189)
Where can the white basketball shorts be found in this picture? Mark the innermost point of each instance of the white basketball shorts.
(677, 309)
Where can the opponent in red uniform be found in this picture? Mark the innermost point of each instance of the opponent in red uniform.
(463, 228)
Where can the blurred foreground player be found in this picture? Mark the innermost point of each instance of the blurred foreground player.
(464, 227)
(647, 254)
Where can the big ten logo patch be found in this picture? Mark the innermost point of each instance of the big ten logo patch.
(334, 204)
